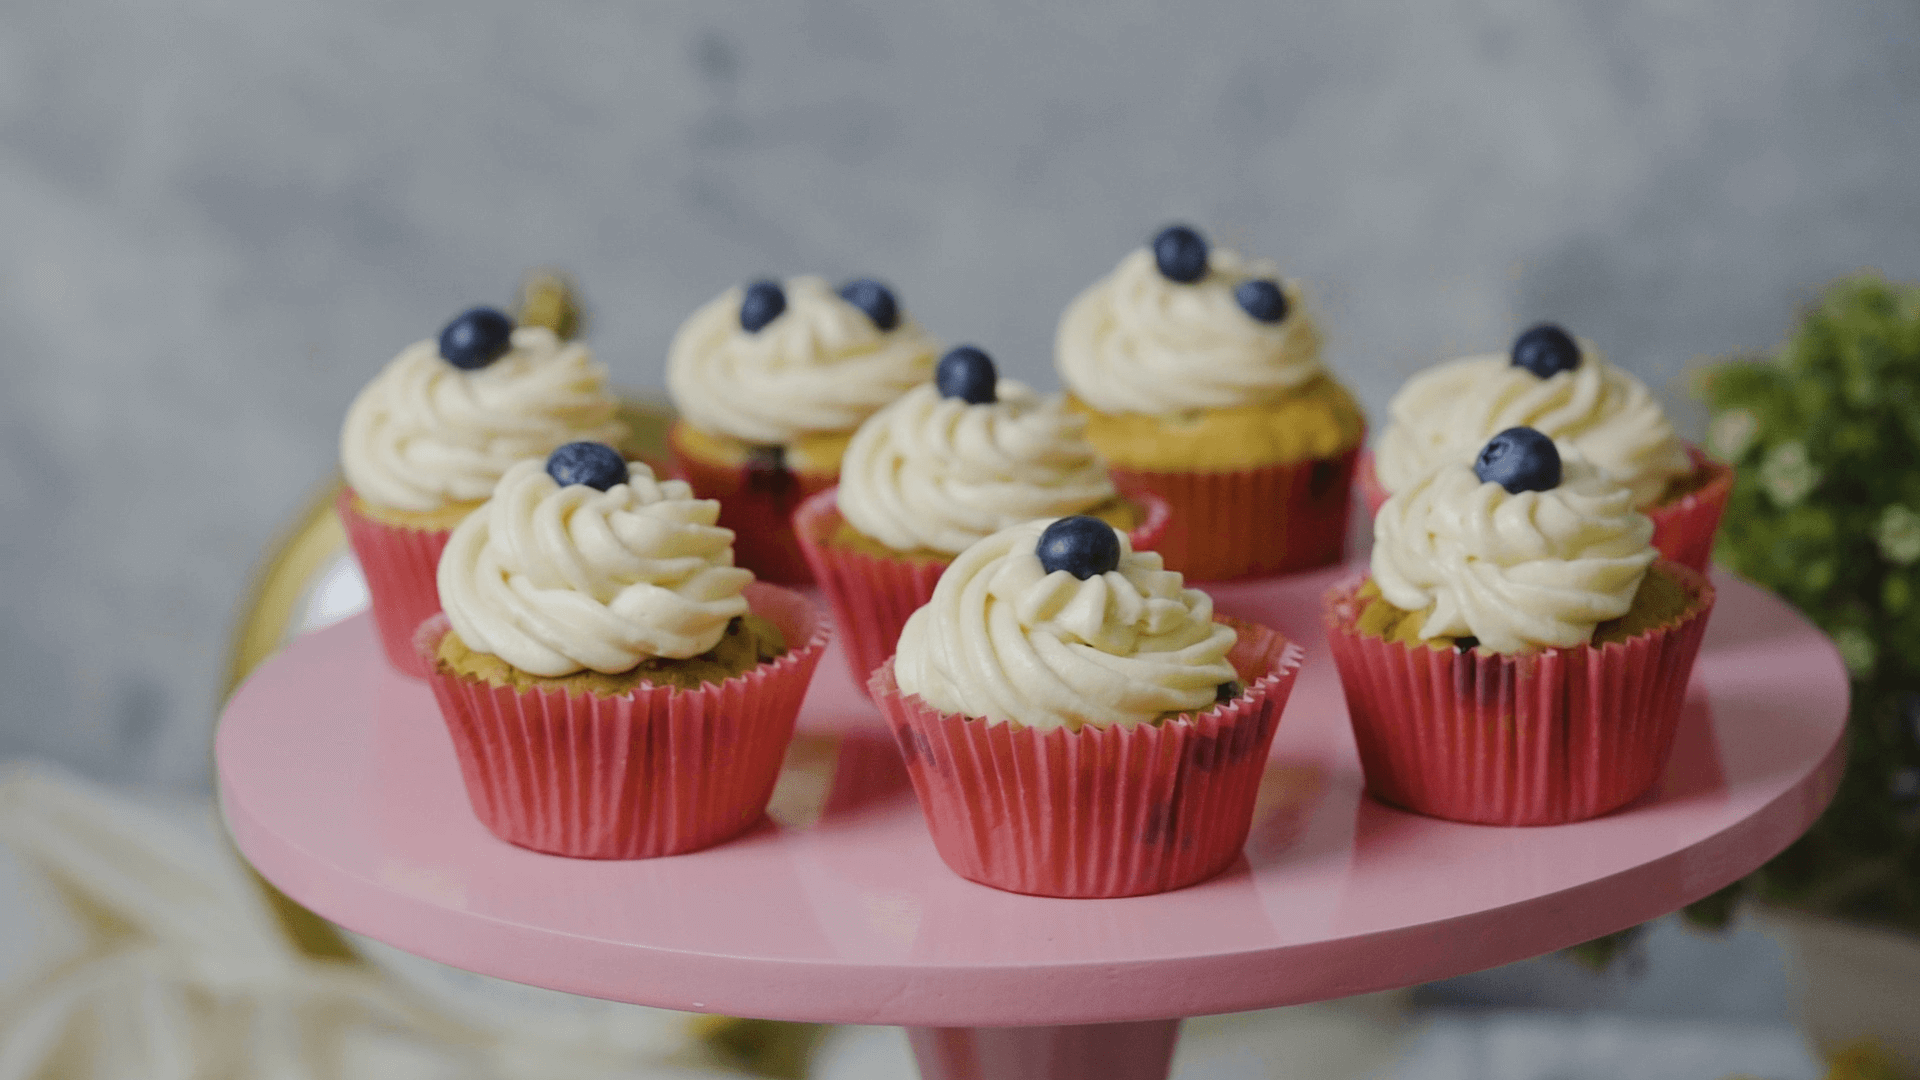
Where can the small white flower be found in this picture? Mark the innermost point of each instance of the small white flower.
(1787, 475)
(1857, 650)
(1899, 535)
(1731, 432)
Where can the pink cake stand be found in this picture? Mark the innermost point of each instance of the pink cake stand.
(339, 783)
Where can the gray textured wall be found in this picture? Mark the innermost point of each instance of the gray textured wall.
(217, 221)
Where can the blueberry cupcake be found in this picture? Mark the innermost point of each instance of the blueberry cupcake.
(1076, 721)
(1520, 652)
(771, 380)
(426, 440)
(1199, 371)
(614, 686)
(949, 463)
(1566, 389)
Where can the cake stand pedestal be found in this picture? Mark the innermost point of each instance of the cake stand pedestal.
(339, 783)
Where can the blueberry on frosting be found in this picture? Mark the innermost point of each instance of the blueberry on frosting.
(1261, 299)
(1181, 254)
(1546, 350)
(596, 465)
(875, 299)
(1082, 546)
(476, 338)
(967, 373)
(1519, 459)
(763, 303)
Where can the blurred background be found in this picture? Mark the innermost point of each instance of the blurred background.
(218, 220)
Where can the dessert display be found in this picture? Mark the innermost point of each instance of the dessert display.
(615, 687)
(771, 380)
(1520, 652)
(1199, 371)
(1077, 722)
(946, 465)
(426, 440)
(1566, 389)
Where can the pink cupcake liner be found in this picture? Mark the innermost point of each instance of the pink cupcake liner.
(1098, 812)
(658, 771)
(1683, 529)
(1251, 522)
(1539, 738)
(872, 596)
(400, 565)
(758, 506)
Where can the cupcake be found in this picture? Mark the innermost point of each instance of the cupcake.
(1076, 722)
(615, 687)
(771, 381)
(426, 440)
(1566, 390)
(1520, 652)
(928, 476)
(1199, 371)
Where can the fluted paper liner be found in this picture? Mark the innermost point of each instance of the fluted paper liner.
(1682, 529)
(872, 596)
(1099, 812)
(758, 507)
(1540, 738)
(658, 771)
(400, 565)
(1277, 519)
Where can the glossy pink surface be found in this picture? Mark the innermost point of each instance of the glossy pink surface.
(339, 783)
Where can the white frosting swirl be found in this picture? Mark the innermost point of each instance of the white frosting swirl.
(1538, 568)
(556, 579)
(822, 366)
(935, 472)
(1449, 411)
(424, 434)
(1137, 342)
(1002, 639)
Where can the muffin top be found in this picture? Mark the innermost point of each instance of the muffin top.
(599, 573)
(1553, 383)
(965, 456)
(776, 361)
(1527, 545)
(1060, 624)
(445, 419)
(1179, 327)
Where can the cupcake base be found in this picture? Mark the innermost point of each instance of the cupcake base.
(659, 771)
(1099, 812)
(400, 565)
(757, 503)
(1276, 519)
(1538, 738)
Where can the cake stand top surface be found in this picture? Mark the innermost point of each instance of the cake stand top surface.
(339, 783)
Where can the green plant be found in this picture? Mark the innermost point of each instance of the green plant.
(1826, 512)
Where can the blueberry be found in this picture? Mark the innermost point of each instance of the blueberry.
(1261, 299)
(1181, 254)
(1466, 644)
(1546, 350)
(596, 465)
(967, 373)
(1519, 459)
(475, 339)
(1226, 692)
(762, 304)
(873, 298)
(1082, 546)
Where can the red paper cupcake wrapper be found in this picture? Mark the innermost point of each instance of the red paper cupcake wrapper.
(1251, 522)
(1535, 739)
(758, 506)
(872, 596)
(1097, 812)
(1682, 529)
(400, 565)
(659, 771)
